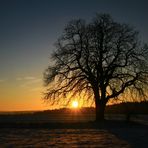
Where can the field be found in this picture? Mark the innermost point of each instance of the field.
(70, 130)
(60, 138)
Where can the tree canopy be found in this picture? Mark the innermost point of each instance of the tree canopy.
(102, 59)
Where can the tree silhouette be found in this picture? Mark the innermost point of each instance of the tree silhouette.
(102, 60)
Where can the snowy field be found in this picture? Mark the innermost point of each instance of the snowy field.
(60, 138)
(78, 135)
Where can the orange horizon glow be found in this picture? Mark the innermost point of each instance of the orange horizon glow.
(22, 94)
(26, 93)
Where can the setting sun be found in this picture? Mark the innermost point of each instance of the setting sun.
(75, 104)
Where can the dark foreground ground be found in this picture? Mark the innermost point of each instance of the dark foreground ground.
(107, 134)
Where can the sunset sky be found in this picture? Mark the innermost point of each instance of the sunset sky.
(28, 30)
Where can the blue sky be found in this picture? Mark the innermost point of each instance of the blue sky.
(29, 28)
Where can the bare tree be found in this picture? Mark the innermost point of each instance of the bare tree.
(102, 60)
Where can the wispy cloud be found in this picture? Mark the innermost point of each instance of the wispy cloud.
(29, 80)
(36, 89)
(19, 78)
(2, 80)
(26, 78)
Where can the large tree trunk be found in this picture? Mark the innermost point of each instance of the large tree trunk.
(100, 109)
(100, 104)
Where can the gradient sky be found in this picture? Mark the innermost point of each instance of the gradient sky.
(28, 30)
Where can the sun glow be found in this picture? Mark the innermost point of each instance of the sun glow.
(75, 104)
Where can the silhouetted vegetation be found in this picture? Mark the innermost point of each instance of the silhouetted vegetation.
(101, 60)
(134, 108)
(51, 118)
